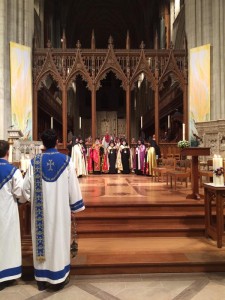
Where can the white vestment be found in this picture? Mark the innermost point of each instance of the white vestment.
(11, 183)
(78, 159)
(61, 194)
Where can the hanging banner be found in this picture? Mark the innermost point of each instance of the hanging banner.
(21, 89)
(199, 88)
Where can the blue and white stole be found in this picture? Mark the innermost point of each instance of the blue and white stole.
(6, 171)
(47, 166)
(38, 207)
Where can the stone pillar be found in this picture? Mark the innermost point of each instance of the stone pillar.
(162, 33)
(128, 110)
(93, 112)
(28, 22)
(204, 22)
(16, 24)
(20, 22)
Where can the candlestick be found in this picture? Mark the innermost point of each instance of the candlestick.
(183, 132)
(79, 122)
(51, 122)
(141, 121)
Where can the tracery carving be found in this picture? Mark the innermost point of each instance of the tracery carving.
(143, 66)
(79, 68)
(170, 68)
(93, 64)
(48, 68)
(111, 64)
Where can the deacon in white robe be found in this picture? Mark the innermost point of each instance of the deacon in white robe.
(78, 159)
(11, 183)
(53, 189)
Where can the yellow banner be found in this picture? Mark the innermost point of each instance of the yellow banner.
(21, 88)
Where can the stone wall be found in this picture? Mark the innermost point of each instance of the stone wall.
(212, 135)
(16, 25)
(204, 24)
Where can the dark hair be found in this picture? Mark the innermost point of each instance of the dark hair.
(49, 138)
(4, 147)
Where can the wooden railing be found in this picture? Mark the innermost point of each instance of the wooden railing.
(169, 149)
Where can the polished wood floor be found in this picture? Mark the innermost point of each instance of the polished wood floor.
(133, 224)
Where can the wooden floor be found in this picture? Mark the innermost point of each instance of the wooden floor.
(133, 224)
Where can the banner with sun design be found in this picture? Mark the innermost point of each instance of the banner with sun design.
(199, 87)
(21, 88)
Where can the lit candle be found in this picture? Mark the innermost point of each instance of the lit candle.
(168, 121)
(218, 180)
(141, 121)
(214, 161)
(183, 131)
(51, 122)
(10, 153)
(79, 122)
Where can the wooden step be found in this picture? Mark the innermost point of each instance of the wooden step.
(113, 219)
(144, 255)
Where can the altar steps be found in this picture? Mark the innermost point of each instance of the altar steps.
(141, 220)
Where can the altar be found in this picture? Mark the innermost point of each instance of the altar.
(108, 121)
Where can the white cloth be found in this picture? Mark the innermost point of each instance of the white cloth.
(78, 159)
(10, 241)
(60, 197)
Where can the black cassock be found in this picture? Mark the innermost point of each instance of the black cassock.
(125, 158)
(112, 161)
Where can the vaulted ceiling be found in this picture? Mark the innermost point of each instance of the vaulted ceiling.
(106, 17)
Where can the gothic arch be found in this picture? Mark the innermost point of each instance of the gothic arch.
(175, 75)
(172, 68)
(150, 78)
(79, 68)
(143, 67)
(103, 73)
(84, 77)
(44, 75)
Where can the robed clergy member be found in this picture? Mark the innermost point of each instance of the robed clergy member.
(78, 158)
(124, 158)
(139, 158)
(112, 154)
(53, 189)
(150, 159)
(11, 184)
(96, 155)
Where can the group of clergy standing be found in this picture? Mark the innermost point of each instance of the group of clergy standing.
(113, 156)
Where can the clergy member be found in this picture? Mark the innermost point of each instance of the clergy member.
(139, 158)
(96, 156)
(53, 189)
(124, 158)
(150, 159)
(11, 184)
(78, 158)
(112, 154)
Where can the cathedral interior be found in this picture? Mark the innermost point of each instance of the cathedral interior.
(127, 68)
(131, 26)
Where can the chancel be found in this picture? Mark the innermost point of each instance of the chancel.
(128, 88)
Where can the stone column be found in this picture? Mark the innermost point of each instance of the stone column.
(128, 110)
(16, 24)
(204, 22)
(28, 22)
(20, 22)
(93, 113)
